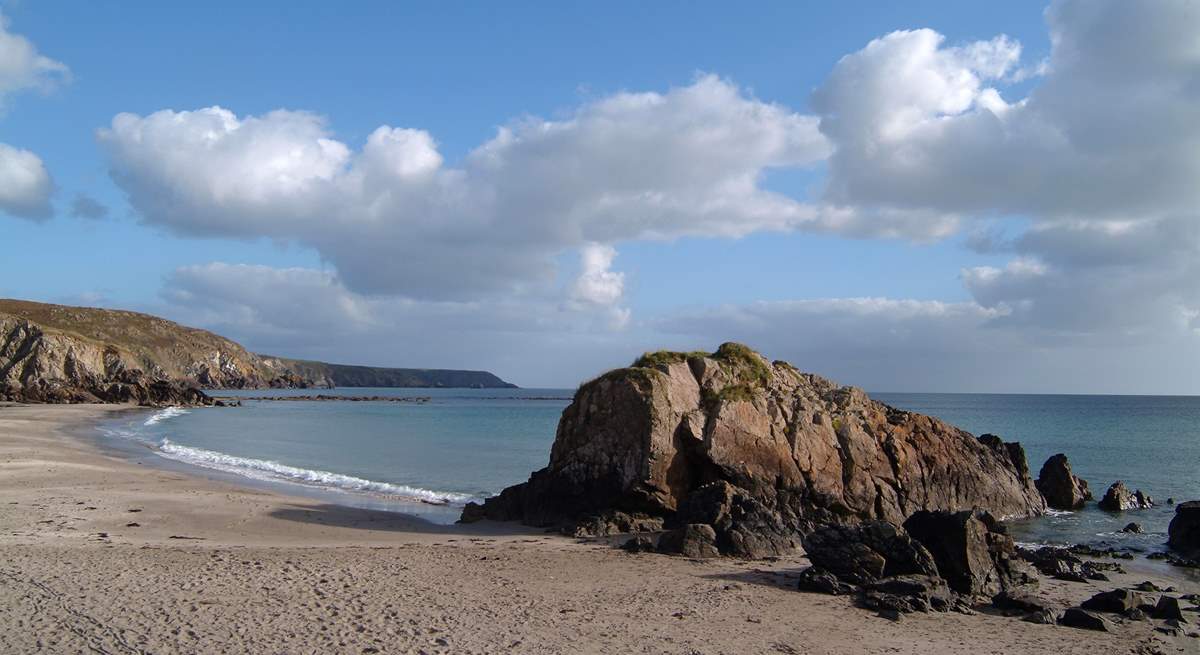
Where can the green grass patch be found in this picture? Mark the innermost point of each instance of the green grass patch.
(666, 358)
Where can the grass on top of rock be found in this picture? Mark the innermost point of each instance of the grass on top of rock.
(749, 364)
(666, 357)
(733, 393)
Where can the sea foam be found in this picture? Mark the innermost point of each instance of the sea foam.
(165, 414)
(261, 469)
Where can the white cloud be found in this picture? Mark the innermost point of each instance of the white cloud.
(394, 219)
(23, 68)
(25, 185)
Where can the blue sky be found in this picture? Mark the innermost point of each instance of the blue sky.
(460, 72)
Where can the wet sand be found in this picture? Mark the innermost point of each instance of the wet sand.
(102, 554)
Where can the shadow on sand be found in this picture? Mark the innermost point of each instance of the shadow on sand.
(341, 516)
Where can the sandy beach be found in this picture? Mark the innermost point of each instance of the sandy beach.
(102, 554)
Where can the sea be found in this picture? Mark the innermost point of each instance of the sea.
(442, 448)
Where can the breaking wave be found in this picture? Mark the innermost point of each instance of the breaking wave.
(165, 414)
(261, 469)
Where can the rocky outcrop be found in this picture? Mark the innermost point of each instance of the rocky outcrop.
(1183, 534)
(59, 354)
(868, 551)
(1061, 488)
(972, 550)
(807, 452)
(1118, 498)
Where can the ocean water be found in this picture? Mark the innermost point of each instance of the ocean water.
(430, 458)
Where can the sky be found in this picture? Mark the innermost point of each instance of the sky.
(919, 196)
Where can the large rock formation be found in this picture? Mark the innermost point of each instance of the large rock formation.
(651, 439)
(1183, 534)
(1060, 486)
(53, 353)
(973, 552)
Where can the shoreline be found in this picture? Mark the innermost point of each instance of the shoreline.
(101, 552)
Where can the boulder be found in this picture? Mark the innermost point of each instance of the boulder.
(868, 551)
(907, 593)
(1116, 601)
(1061, 564)
(972, 551)
(638, 545)
(1183, 534)
(695, 540)
(1075, 617)
(1022, 602)
(644, 439)
(744, 526)
(1132, 528)
(818, 580)
(1061, 488)
(1168, 608)
(1118, 498)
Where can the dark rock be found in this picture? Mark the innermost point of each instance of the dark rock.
(1148, 587)
(1062, 564)
(1118, 498)
(696, 540)
(1061, 488)
(744, 526)
(972, 551)
(1021, 601)
(638, 545)
(867, 552)
(1045, 617)
(1183, 535)
(1167, 608)
(1132, 528)
(612, 523)
(644, 439)
(1116, 601)
(907, 593)
(821, 581)
(1075, 617)
(1137, 614)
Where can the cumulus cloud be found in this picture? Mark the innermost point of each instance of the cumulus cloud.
(303, 312)
(23, 68)
(25, 185)
(393, 218)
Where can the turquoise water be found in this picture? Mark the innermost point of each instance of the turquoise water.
(430, 458)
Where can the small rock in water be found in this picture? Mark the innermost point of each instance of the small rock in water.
(1132, 528)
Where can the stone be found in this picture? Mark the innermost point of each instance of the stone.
(1118, 498)
(1168, 608)
(867, 551)
(1022, 601)
(818, 580)
(744, 526)
(908, 593)
(1061, 488)
(1062, 564)
(1045, 617)
(1183, 534)
(644, 439)
(971, 550)
(611, 523)
(695, 540)
(1132, 528)
(1115, 601)
(638, 545)
(1075, 617)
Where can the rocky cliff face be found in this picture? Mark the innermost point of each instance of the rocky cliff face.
(51, 353)
(58, 354)
(642, 440)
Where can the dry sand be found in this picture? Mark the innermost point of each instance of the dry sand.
(91, 560)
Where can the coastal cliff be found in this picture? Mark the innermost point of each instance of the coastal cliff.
(728, 438)
(60, 354)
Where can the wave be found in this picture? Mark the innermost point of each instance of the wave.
(165, 414)
(261, 469)
(1055, 513)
